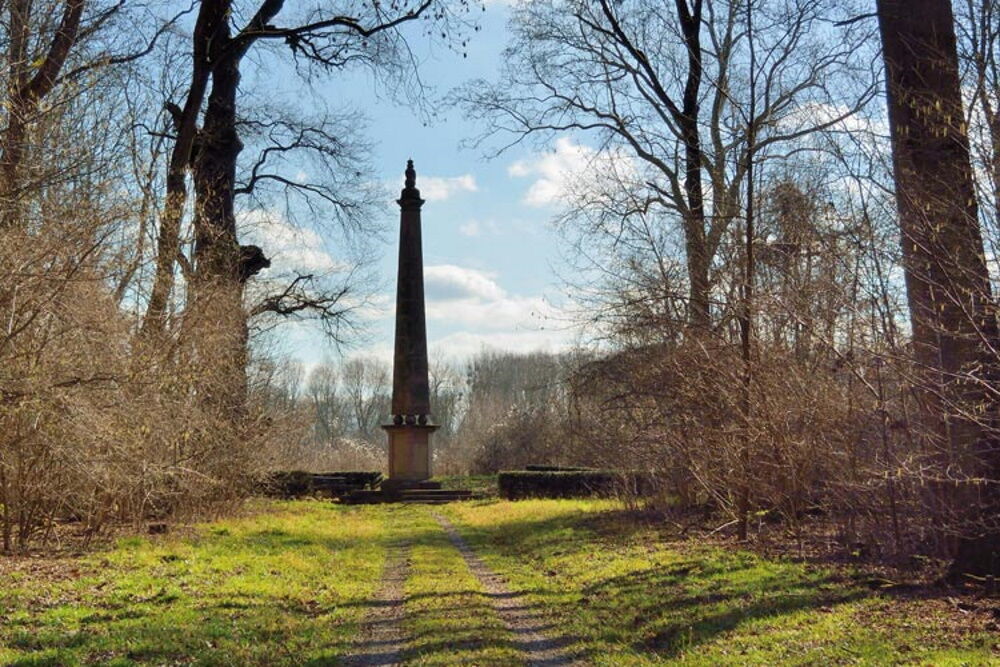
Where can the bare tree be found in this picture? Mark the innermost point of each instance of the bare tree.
(208, 147)
(50, 47)
(978, 24)
(948, 286)
(65, 208)
(322, 391)
(366, 383)
(664, 88)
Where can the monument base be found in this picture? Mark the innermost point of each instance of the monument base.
(409, 452)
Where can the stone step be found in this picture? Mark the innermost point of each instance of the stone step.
(438, 499)
(437, 493)
(418, 501)
(397, 486)
(426, 485)
(411, 495)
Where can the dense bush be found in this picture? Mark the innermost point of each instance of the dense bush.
(535, 467)
(514, 485)
(92, 432)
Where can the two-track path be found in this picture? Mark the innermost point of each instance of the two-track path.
(536, 646)
(384, 640)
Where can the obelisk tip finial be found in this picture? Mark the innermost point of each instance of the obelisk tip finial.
(411, 175)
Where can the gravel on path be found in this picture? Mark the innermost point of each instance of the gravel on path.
(381, 640)
(531, 636)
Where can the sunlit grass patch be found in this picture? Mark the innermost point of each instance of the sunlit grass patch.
(283, 587)
(630, 597)
(289, 586)
(448, 615)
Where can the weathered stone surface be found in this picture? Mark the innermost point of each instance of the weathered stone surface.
(410, 431)
(410, 387)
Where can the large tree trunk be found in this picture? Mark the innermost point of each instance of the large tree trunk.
(211, 28)
(698, 260)
(947, 282)
(215, 318)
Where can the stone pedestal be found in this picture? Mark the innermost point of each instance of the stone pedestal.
(409, 451)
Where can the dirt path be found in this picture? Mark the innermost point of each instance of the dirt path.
(536, 646)
(381, 639)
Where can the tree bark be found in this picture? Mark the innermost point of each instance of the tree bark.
(216, 308)
(209, 29)
(947, 282)
(216, 297)
(699, 310)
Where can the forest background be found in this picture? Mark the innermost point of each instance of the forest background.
(781, 278)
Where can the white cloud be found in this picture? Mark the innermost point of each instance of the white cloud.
(465, 344)
(558, 171)
(449, 282)
(461, 345)
(475, 228)
(439, 188)
(552, 171)
(473, 299)
(471, 229)
(289, 248)
(468, 311)
(509, 312)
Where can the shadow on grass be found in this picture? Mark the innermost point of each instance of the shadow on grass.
(460, 634)
(172, 612)
(664, 609)
(447, 619)
(660, 610)
(674, 613)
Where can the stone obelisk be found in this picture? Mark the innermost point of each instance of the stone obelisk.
(411, 427)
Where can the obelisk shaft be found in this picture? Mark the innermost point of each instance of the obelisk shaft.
(410, 430)
(410, 386)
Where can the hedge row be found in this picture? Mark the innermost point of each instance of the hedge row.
(535, 467)
(517, 484)
(299, 483)
(361, 478)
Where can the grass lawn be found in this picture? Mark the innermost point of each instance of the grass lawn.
(290, 585)
(630, 598)
(448, 617)
(285, 587)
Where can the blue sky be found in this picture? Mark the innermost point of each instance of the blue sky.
(489, 248)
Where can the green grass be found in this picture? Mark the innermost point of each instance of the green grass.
(629, 598)
(448, 617)
(289, 586)
(284, 587)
